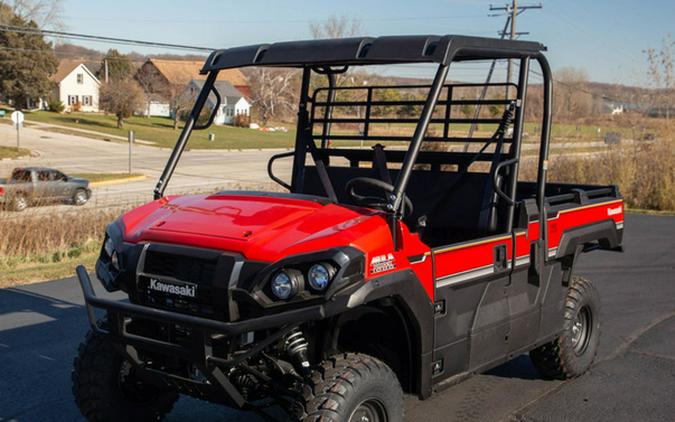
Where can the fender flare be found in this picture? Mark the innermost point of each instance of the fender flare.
(604, 232)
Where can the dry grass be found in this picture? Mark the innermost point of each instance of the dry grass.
(36, 246)
(644, 172)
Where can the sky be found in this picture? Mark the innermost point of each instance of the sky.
(606, 38)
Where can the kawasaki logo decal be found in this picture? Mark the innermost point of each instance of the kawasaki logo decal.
(182, 290)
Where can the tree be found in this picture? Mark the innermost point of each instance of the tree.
(661, 75)
(121, 98)
(45, 13)
(119, 66)
(26, 61)
(272, 91)
(336, 27)
(571, 99)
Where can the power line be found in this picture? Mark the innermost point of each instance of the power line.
(98, 38)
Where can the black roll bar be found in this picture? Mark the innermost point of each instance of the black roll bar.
(187, 130)
(543, 159)
(396, 198)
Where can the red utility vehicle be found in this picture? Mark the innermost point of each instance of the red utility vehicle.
(381, 271)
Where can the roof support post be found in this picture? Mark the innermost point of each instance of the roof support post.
(185, 135)
(543, 159)
(396, 197)
(521, 94)
(300, 133)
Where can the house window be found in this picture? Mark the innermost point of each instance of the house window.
(73, 99)
(80, 78)
(87, 100)
(229, 112)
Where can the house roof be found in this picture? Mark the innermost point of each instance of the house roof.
(183, 71)
(224, 88)
(66, 67)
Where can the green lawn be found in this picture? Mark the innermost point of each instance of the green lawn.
(160, 131)
(12, 152)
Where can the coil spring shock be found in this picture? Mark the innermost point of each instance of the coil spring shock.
(296, 346)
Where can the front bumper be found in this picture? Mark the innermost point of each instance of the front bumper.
(92, 301)
(199, 351)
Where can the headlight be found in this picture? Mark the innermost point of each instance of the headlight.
(319, 276)
(109, 247)
(284, 284)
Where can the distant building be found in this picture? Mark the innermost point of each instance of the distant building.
(162, 80)
(76, 86)
(232, 102)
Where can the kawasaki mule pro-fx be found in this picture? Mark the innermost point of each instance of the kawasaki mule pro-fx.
(389, 266)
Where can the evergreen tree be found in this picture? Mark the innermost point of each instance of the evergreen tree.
(26, 62)
(119, 66)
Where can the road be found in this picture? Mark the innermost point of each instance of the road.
(633, 379)
(197, 170)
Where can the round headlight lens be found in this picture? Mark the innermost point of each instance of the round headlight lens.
(114, 260)
(282, 285)
(319, 276)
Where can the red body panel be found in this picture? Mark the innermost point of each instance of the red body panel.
(267, 229)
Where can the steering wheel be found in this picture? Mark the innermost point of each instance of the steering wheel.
(374, 201)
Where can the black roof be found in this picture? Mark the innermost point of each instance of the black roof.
(369, 51)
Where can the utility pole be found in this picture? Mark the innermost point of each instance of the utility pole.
(105, 65)
(513, 11)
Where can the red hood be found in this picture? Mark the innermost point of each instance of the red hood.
(263, 228)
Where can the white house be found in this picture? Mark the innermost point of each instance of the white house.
(232, 101)
(76, 86)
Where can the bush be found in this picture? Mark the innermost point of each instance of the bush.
(242, 120)
(76, 107)
(54, 104)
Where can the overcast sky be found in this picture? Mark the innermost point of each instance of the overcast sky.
(604, 37)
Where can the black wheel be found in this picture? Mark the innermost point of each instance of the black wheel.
(571, 354)
(19, 202)
(106, 389)
(352, 388)
(80, 197)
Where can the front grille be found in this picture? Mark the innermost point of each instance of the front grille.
(184, 268)
(207, 274)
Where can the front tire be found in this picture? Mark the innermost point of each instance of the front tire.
(573, 353)
(80, 197)
(352, 388)
(105, 388)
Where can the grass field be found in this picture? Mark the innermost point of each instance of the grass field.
(159, 130)
(11, 152)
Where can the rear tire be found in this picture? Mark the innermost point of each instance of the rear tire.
(105, 388)
(573, 352)
(19, 202)
(352, 388)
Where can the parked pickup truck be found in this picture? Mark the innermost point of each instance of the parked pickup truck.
(34, 185)
(380, 271)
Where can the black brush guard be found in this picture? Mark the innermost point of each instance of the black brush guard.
(215, 385)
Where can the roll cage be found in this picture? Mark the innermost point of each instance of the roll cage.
(315, 111)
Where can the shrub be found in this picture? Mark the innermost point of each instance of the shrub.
(54, 104)
(242, 120)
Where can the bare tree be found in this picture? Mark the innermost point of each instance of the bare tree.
(660, 74)
(272, 91)
(121, 98)
(572, 99)
(45, 13)
(336, 27)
